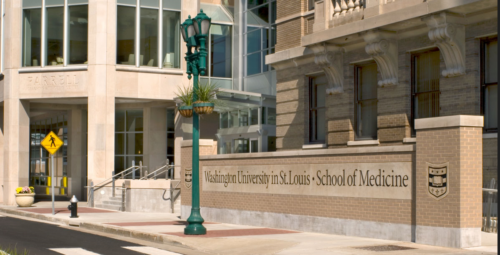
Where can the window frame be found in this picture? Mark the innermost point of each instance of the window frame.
(311, 109)
(270, 49)
(208, 76)
(43, 34)
(125, 132)
(357, 101)
(137, 35)
(414, 86)
(483, 84)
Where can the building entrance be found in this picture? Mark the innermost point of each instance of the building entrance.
(40, 161)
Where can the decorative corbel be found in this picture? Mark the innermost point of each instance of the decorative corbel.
(382, 46)
(450, 39)
(330, 58)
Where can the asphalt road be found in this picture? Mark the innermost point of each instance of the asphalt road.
(39, 238)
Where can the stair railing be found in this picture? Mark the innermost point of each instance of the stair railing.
(167, 169)
(121, 175)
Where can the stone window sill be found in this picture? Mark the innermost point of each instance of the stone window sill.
(142, 69)
(53, 69)
(363, 142)
(490, 135)
(410, 140)
(313, 146)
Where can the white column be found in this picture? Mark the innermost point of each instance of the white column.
(15, 147)
(101, 102)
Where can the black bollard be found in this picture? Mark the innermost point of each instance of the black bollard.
(73, 207)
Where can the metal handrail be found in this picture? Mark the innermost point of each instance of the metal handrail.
(122, 173)
(158, 171)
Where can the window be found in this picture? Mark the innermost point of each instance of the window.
(154, 36)
(260, 34)
(489, 82)
(129, 133)
(220, 56)
(53, 47)
(317, 123)
(366, 101)
(425, 85)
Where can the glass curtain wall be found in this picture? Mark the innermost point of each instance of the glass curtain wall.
(50, 44)
(259, 34)
(158, 44)
(129, 134)
(219, 60)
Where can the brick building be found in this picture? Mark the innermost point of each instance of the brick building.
(403, 88)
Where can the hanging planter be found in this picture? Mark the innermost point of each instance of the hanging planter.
(201, 107)
(186, 111)
(185, 94)
(205, 93)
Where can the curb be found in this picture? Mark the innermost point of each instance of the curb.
(103, 228)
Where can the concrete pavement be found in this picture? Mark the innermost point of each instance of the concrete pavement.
(167, 228)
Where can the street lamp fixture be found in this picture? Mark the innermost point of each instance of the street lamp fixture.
(195, 33)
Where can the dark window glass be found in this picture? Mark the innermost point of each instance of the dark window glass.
(125, 35)
(490, 85)
(317, 111)
(78, 34)
(171, 39)
(220, 53)
(367, 101)
(32, 37)
(55, 33)
(149, 37)
(426, 85)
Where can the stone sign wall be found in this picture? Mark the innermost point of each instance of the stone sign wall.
(368, 180)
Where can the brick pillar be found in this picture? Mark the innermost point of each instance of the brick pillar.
(206, 148)
(448, 181)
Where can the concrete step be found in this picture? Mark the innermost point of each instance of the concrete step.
(108, 207)
(116, 198)
(112, 202)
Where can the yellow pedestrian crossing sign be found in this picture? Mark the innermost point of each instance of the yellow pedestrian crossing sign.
(52, 143)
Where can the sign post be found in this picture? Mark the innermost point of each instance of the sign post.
(52, 143)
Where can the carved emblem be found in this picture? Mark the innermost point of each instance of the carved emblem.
(438, 184)
(188, 177)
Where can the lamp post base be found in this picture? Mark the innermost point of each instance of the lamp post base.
(195, 223)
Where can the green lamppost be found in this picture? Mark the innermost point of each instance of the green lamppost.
(195, 33)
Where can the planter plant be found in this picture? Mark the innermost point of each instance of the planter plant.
(185, 94)
(205, 94)
(25, 196)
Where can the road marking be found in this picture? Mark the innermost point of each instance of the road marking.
(73, 251)
(150, 250)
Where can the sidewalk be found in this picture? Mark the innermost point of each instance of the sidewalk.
(228, 238)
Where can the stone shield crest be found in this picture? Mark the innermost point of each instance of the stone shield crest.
(438, 180)
(188, 177)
